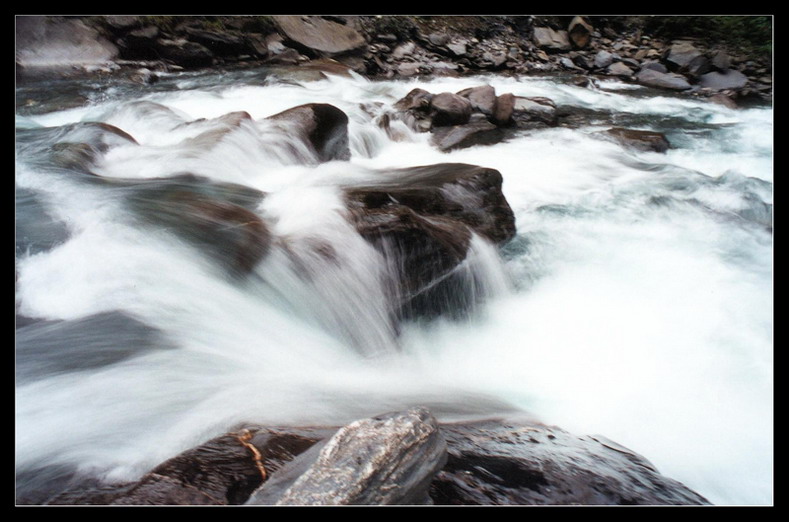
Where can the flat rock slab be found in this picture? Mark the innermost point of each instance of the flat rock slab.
(319, 35)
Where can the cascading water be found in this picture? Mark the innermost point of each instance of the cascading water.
(635, 300)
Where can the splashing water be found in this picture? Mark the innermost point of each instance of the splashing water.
(634, 302)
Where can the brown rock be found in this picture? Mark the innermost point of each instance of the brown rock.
(580, 32)
(317, 35)
(639, 139)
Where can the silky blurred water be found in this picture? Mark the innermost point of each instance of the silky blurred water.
(636, 300)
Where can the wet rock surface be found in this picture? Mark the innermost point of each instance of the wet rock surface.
(401, 457)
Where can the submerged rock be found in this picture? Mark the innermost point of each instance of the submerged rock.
(322, 126)
(639, 139)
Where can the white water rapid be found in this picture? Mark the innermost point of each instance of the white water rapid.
(636, 300)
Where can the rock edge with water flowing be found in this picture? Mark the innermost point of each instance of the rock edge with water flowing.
(385, 47)
(405, 457)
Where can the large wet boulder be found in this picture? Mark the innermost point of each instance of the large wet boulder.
(322, 126)
(319, 36)
(528, 463)
(681, 55)
(482, 98)
(421, 219)
(447, 108)
(480, 132)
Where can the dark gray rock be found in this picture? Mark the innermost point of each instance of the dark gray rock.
(654, 65)
(505, 107)
(219, 43)
(670, 81)
(527, 463)
(720, 81)
(468, 135)
(386, 460)
(319, 36)
(322, 126)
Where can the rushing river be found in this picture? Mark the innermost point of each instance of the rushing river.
(636, 300)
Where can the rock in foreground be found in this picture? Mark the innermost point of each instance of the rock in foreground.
(399, 458)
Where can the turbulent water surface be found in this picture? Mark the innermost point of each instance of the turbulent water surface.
(634, 302)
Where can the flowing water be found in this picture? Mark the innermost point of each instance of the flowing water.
(636, 300)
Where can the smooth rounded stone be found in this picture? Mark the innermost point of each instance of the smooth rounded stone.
(464, 136)
(386, 460)
(670, 81)
(322, 126)
(547, 38)
(580, 32)
(720, 81)
(449, 109)
(482, 98)
(318, 35)
(518, 462)
(639, 140)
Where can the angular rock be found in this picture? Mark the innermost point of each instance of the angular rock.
(449, 109)
(720, 61)
(547, 38)
(483, 98)
(580, 32)
(415, 99)
(317, 35)
(59, 41)
(720, 81)
(681, 54)
(670, 81)
(528, 111)
(527, 463)
(468, 135)
(387, 460)
(698, 66)
(619, 69)
(322, 126)
(639, 140)
(654, 65)
(603, 59)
